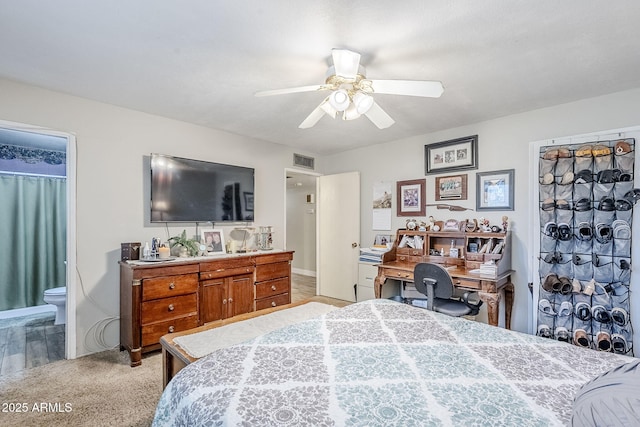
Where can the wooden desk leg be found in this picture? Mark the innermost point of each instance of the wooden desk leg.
(508, 303)
(377, 285)
(493, 306)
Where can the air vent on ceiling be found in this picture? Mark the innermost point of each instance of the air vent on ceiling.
(303, 161)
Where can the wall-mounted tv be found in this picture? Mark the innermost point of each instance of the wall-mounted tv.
(186, 190)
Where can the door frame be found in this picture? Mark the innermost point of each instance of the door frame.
(284, 224)
(70, 326)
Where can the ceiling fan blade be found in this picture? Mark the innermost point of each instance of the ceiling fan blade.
(289, 90)
(431, 89)
(346, 63)
(379, 117)
(314, 117)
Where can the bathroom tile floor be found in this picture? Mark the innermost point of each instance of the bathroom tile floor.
(29, 341)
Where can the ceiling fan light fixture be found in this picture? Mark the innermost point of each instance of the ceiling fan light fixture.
(362, 102)
(351, 113)
(339, 99)
(328, 108)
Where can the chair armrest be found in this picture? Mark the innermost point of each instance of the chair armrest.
(474, 306)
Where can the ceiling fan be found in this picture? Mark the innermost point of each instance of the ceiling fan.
(351, 91)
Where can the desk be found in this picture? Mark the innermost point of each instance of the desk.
(489, 289)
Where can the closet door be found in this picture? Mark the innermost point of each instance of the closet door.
(585, 193)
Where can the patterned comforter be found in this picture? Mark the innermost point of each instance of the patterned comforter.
(384, 363)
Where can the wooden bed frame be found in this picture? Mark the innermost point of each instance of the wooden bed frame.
(174, 358)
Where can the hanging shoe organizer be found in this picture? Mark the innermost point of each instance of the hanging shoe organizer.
(586, 209)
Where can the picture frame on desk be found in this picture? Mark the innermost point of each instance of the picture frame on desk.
(382, 240)
(494, 190)
(214, 239)
(452, 155)
(411, 197)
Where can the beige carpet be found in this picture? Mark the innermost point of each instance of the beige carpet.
(96, 390)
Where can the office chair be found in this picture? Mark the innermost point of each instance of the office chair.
(435, 282)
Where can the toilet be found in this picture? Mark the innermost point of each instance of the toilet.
(58, 297)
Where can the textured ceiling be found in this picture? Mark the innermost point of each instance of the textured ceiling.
(201, 61)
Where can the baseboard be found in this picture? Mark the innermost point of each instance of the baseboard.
(303, 272)
(27, 311)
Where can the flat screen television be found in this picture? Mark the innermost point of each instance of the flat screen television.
(186, 190)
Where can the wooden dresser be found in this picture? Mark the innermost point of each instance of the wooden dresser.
(165, 297)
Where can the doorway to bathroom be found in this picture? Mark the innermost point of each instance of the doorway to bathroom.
(34, 223)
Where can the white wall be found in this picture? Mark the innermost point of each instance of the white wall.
(301, 229)
(112, 141)
(503, 144)
(111, 145)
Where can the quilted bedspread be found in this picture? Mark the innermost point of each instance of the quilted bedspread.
(382, 363)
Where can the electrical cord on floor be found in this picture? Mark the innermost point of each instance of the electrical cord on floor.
(97, 330)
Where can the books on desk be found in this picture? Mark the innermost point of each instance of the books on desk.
(372, 255)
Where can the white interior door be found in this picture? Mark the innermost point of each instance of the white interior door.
(338, 235)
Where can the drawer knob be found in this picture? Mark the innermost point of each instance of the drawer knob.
(224, 301)
(171, 307)
(273, 287)
(273, 304)
(230, 300)
(172, 285)
(171, 329)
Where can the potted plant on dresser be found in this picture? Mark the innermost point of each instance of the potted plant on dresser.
(187, 247)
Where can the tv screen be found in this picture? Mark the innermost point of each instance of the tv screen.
(185, 190)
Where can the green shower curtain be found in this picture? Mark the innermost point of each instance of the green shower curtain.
(33, 223)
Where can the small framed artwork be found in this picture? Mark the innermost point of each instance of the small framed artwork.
(411, 198)
(453, 155)
(494, 190)
(248, 201)
(214, 239)
(382, 240)
(451, 187)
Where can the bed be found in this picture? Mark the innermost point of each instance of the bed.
(384, 363)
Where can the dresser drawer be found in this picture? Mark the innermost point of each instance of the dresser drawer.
(270, 258)
(151, 333)
(272, 271)
(169, 308)
(226, 264)
(272, 287)
(162, 287)
(226, 272)
(275, 301)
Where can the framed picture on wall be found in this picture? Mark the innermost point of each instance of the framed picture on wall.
(452, 187)
(494, 190)
(450, 156)
(411, 198)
